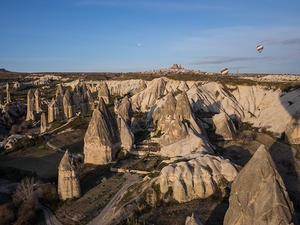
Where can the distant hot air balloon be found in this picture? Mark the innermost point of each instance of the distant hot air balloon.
(224, 71)
(259, 48)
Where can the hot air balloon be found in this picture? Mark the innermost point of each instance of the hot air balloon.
(259, 48)
(224, 71)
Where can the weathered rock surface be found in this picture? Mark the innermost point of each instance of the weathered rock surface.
(53, 111)
(9, 115)
(30, 106)
(193, 220)
(124, 109)
(59, 95)
(37, 101)
(197, 178)
(68, 183)
(43, 123)
(103, 92)
(258, 194)
(292, 132)
(175, 122)
(8, 98)
(224, 127)
(126, 136)
(145, 99)
(68, 104)
(101, 141)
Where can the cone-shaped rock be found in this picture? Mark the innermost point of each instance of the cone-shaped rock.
(126, 136)
(258, 194)
(68, 183)
(8, 98)
(101, 141)
(37, 101)
(104, 93)
(59, 96)
(30, 106)
(53, 111)
(68, 105)
(124, 109)
(193, 220)
(43, 123)
(224, 127)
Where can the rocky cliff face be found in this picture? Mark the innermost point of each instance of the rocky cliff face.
(196, 178)
(101, 141)
(258, 194)
(68, 183)
(123, 108)
(126, 136)
(292, 132)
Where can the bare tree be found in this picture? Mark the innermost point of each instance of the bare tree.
(24, 191)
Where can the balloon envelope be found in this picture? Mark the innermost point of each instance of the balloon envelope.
(259, 48)
(224, 71)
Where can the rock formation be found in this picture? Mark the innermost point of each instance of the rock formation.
(193, 220)
(43, 123)
(145, 99)
(103, 92)
(292, 132)
(30, 106)
(8, 98)
(59, 96)
(53, 111)
(258, 194)
(37, 101)
(179, 132)
(101, 141)
(124, 109)
(196, 178)
(224, 127)
(126, 136)
(68, 104)
(68, 183)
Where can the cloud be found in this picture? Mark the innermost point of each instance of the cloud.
(292, 41)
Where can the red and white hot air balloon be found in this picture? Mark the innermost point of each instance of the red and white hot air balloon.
(259, 48)
(224, 71)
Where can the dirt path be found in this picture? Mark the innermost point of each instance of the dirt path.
(107, 213)
(50, 219)
(69, 121)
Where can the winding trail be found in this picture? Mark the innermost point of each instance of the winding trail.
(50, 218)
(107, 213)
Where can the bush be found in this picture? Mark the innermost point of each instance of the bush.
(7, 213)
(24, 191)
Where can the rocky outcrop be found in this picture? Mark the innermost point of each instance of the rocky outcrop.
(43, 123)
(258, 194)
(145, 99)
(223, 126)
(126, 136)
(103, 92)
(68, 183)
(196, 178)
(292, 132)
(179, 132)
(68, 104)
(101, 141)
(123, 108)
(30, 106)
(193, 220)
(8, 98)
(59, 95)
(53, 111)
(10, 114)
(37, 101)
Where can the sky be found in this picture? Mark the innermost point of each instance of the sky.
(141, 35)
